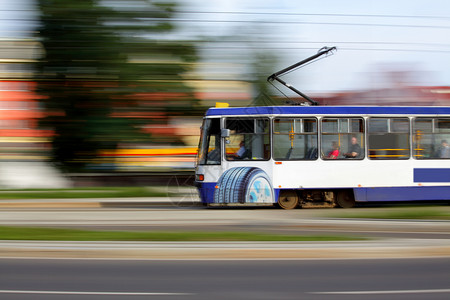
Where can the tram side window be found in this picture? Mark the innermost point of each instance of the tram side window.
(431, 137)
(342, 138)
(249, 139)
(388, 138)
(209, 148)
(295, 139)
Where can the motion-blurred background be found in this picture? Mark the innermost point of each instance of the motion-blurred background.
(117, 88)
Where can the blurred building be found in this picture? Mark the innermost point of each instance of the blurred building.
(20, 139)
(24, 148)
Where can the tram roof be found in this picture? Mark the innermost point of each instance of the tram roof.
(329, 110)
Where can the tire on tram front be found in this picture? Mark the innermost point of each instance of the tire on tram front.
(244, 185)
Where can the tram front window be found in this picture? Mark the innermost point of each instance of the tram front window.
(249, 139)
(209, 148)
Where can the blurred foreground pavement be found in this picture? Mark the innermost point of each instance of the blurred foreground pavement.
(183, 201)
(390, 248)
(388, 238)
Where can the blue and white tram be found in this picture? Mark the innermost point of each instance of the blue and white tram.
(323, 155)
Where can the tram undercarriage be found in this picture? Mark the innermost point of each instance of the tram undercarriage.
(289, 199)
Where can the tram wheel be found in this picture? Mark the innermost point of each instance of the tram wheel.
(345, 199)
(288, 199)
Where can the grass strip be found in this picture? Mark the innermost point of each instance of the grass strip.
(405, 213)
(57, 234)
(113, 192)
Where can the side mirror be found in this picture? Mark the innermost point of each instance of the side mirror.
(225, 133)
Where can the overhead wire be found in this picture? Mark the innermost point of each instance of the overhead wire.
(281, 45)
(315, 14)
(279, 14)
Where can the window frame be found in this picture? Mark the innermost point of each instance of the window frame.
(225, 119)
(409, 132)
(362, 140)
(434, 131)
(295, 117)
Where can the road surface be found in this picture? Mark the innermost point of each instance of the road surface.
(231, 279)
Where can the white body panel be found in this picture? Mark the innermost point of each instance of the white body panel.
(351, 173)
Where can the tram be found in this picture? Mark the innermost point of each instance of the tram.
(313, 155)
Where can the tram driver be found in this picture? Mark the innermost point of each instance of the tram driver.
(240, 154)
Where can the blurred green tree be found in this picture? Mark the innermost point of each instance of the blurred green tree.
(109, 69)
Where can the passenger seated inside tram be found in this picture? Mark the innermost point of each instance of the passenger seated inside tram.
(334, 153)
(354, 149)
(443, 150)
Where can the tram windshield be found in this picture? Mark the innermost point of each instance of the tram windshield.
(209, 147)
